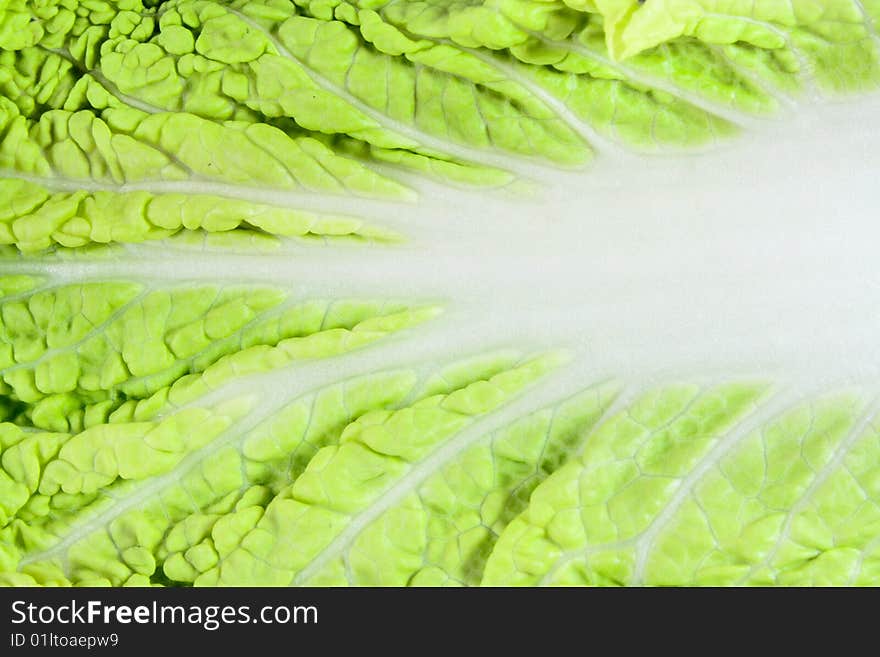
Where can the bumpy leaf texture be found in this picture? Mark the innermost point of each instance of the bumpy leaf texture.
(439, 292)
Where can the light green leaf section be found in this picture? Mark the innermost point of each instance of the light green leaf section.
(88, 510)
(397, 478)
(319, 95)
(448, 510)
(15, 284)
(551, 48)
(261, 59)
(674, 491)
(829, 33)
(368, 97)
(707, 61)
(80, 355)
(34, 219)
(342, 481)
(99, 140)
(136, 514)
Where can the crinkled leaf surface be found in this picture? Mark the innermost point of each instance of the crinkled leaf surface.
(421, 292)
